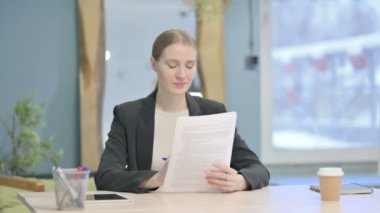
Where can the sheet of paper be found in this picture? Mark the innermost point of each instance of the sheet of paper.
(198, 142)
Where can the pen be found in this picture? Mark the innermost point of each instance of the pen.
(84, 172)
(66, 183)
(68, 188)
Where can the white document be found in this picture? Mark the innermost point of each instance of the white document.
(198, 142)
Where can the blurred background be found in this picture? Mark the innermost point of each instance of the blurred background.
(303, 76)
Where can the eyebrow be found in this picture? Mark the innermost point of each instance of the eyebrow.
(175, 60)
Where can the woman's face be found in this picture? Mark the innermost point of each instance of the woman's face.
(175, 68)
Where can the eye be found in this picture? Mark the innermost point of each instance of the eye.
(172, 66)
(190, 65)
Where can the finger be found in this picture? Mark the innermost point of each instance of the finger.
(222, 179)
(220, 182)
(225, 168)
(217, 175)
(220, 166)
(222, 186)
(161, 174)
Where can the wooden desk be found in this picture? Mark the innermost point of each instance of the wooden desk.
(269, 199)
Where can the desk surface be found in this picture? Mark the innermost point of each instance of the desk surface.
(271, 199)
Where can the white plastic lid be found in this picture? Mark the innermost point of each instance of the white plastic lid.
(330, 171)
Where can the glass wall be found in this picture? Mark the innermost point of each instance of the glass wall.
(326, 74)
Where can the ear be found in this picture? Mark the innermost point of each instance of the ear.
(153, 64)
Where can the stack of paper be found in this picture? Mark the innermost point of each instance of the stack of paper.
(199, 141)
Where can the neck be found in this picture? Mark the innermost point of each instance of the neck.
(171, 103)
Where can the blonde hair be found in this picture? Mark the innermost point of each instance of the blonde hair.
(168, 38)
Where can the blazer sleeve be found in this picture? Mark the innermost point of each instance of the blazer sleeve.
(246, 162)
(112, 173)
(243, 159)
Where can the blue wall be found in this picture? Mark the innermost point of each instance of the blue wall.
(242, 85)
(39, 50)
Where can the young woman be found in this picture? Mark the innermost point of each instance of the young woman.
(142, 131)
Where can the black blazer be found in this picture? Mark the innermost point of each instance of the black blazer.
(127, 158)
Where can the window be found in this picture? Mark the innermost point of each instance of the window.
(320, 80)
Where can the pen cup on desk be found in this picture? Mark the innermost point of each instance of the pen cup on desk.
(70, 187)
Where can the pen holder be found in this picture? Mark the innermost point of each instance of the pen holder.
(70, 187)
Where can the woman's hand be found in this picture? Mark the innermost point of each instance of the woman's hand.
(157, 179)
(225, 178)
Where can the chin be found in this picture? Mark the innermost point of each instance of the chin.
(179, 91)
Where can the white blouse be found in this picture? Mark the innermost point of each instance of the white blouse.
(164, 127)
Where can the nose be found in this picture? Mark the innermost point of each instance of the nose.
(181, 72)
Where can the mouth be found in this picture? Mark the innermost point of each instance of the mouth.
(180, 85)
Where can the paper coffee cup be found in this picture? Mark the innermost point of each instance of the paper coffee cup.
(330, 183)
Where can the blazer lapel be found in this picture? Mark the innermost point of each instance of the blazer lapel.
(145, 133)
(193, 106)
